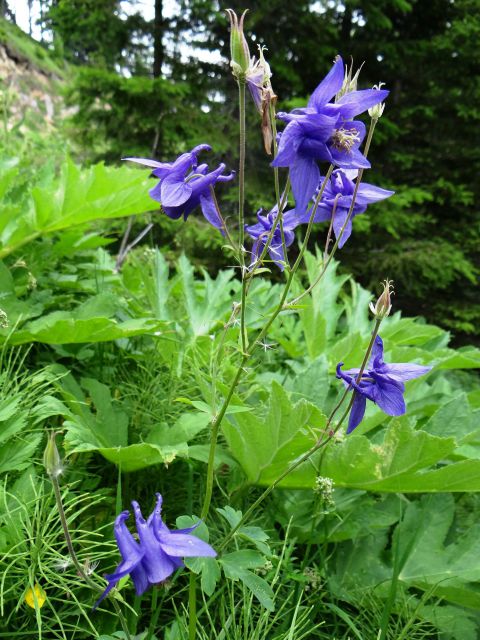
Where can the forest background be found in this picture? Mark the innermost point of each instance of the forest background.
(153, 87)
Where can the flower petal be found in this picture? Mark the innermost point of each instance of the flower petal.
(173, 212)
(104, 594)
(368, 193)
(349, 159)
(355, 102)
(402, 372)
(210, 212)
(140, 579)
(329, 86)
(389, 397)
(376, 358)
(182, 545)
(275, 250)
(357, 412)
(339, 220)
(155, 192)
(156, 562)
(147, 162)
(304, 176)
(174, 191)
(290, 140)
(127, 545)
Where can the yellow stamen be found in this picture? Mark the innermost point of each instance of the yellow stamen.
(345, 139)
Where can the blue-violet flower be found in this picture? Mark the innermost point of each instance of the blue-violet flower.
(324, 131)
(157, 553)
(260, 232)
(381, 383)
(337, 198)
(184, 185)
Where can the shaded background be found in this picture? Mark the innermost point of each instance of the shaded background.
(152, 78)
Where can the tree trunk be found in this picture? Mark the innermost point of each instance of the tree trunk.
(346, 28)
(158, 39)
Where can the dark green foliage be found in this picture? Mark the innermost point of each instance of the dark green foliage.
(120, 117)
(425, 146)
(92, 32)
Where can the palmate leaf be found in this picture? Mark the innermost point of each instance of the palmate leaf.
(320, 316)
(403, 460)
(92, 321)
(430, 558)
(60, 327)
(266, 447)
(435, 561)
(106, 429)
(77, 196)
(207, 301)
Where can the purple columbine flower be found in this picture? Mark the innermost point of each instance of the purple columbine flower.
(157, 553)
(324, 131)
(337, 199)
(381, 383)
(185, 185)
(260, 232)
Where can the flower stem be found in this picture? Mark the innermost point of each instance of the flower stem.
(241, 168)
(77, 564)
(277, 181)
(347, 220)
(241, 207)
(376, 328)
(192, 606)
(296, 264)
(215, 423)
(318, 444)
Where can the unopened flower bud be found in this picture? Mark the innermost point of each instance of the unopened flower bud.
(51, 457)
(377, 110)
(383, 305)
(239, 52)
(349, 82)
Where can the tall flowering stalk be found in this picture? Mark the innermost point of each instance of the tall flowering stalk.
(324, 131)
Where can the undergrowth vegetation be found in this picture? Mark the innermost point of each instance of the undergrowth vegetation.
(153, 376)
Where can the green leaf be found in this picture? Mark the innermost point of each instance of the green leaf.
(106, 430)
(454, 419)
(320, 318)
(234, 562)
(76, 197)
(63, 327)
(259, 587)
(232, 516)
(201, 529)
(437, 562)
(15, 455)
(207, 302)
(141, 455)
(209, 569)
(235, 566)
(187, 426)
(265, 447)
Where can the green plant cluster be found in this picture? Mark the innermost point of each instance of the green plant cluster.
(426, 149)
(129, 366)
